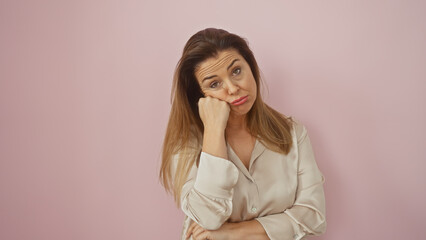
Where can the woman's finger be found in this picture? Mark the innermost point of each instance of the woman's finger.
(190, 229)
(204, 236)
(197, 231)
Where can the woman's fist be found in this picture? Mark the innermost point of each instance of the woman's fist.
(213, 112)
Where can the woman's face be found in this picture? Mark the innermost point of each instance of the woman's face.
(228, 77)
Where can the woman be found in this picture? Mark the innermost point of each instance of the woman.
(236, 167)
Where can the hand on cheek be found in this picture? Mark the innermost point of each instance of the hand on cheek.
(213, 112)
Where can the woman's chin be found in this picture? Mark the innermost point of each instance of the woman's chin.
(238, 112)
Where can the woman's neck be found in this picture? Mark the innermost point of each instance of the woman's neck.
(236, 123)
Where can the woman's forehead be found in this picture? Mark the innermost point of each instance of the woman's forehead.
(213, 64)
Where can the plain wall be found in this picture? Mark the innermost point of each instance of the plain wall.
(85, 99)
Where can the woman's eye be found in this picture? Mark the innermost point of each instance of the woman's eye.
(236, 71)
(214, 85)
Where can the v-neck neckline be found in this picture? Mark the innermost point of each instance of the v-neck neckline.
(257, 150)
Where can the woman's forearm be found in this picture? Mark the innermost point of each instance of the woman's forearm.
(214, 143)
(250, 230)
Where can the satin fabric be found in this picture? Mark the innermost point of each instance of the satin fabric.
(284, 193)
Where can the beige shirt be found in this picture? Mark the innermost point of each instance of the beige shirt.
(284, 193)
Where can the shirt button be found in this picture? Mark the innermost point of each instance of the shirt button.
(253, 209)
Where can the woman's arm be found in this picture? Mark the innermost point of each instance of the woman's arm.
(214, 143)
(214, 113)
(246, 230)
(250, 230)
(206, 195)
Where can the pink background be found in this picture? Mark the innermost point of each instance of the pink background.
(85, 98)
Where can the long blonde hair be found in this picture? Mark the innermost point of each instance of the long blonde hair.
(185, 128)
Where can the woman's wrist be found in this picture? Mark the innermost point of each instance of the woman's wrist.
(214, 143)
(214, 128)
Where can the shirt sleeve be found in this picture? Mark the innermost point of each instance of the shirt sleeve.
(307, 215)
(207, 194)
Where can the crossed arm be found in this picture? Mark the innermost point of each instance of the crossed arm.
(247, 230)
(305, 217)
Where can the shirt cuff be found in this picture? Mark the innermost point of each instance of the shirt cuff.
(216, 176)
(280, 226)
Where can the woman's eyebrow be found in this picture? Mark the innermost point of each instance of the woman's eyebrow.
(230, 65)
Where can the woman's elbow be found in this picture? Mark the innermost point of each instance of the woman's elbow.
(208, 219)
(214, 221)
(321, 228)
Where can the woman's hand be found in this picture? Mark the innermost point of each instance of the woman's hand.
(225, 232)
(214, 113)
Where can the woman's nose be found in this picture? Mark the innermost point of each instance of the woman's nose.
(231, 87)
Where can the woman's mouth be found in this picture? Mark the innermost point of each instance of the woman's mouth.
(240, 101)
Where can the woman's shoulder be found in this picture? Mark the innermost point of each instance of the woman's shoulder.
(298, 128)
